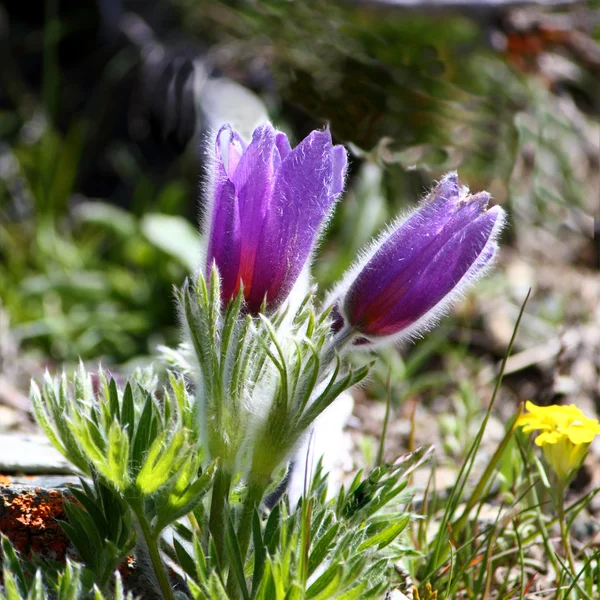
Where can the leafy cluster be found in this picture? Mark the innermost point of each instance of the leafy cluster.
(181, 473)
(271, 365)
(65, 585)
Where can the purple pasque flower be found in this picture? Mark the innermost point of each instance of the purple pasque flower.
(268, 204)
(421, 264)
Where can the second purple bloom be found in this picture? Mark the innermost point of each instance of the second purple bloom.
(268, 205)
(418, 267)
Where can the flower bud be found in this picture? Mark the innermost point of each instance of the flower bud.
(267, 205)
(421, 264)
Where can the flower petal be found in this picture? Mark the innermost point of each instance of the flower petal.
(283, 144)
(224, 245)
(422, 261)
(340, 162)
(302, 198)
(229, 149)
(253, 180)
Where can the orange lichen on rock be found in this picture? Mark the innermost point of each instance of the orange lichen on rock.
(5, 480)
(29, 519)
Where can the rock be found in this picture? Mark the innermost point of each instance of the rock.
(30, 454)
(28, 517)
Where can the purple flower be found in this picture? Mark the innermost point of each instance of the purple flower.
(268, 204)
(419, 266)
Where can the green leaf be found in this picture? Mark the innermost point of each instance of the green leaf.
(200, 561)
(322, 547)
(387, 536)
(180, 504)
(68, 582)
(118, 457)
(272, 530)
(327, 584)
(186, 562)
(84, 431)
(143, 434)
(308, 380)
(161, 463)
(42, 418)
(332, 391)
(57, 407)
(83, 533)
(10, 586)
(230, 321)
(216, 589)
(119, 590)
(113, 394)
(354, 593)
(128, 412)
(260, 553)
(173, 235)
(295, 592)
(117, 515)
(85, 549)
(87, 500)
(11, 562)
(37, 590)
(267, 589)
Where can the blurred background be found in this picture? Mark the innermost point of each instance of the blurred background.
(105, 108)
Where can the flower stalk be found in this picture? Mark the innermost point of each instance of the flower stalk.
(217, 518)
(152, 548)
(564, 527)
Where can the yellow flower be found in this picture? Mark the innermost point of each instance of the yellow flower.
(566, 434)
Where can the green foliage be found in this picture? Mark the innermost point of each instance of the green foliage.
(142, 455)
(80, 278)
(343, 547)
(66, 585)
(143, 448)
(100, 527)
(245, 363)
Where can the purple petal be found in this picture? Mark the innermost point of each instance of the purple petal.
(253, 180)
(283, 145)
(430, 279)
(229, 149)
(447, 190)
(340, 162)
(412, 245)
(302, 197)
(224, 245)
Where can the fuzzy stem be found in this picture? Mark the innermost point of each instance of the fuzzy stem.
(216, 523)
(151, 542)
(336, 345)
(256, 490)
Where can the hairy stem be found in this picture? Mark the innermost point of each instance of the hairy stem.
(151, 547)
(336, 346)
(216, 523)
